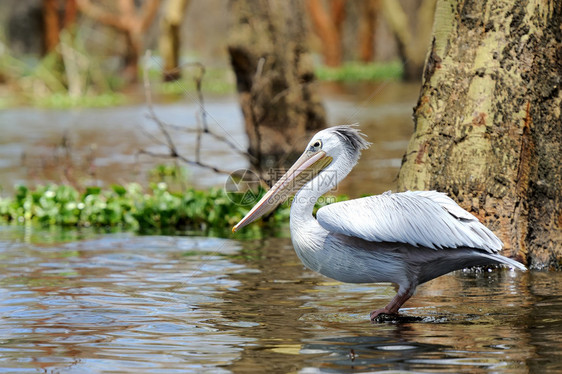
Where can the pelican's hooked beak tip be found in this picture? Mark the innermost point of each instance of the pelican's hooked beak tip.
(234, 229)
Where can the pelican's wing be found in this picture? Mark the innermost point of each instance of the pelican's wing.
(420, 218)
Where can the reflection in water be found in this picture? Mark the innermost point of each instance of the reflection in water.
(466, 322)
(120, 302)
(114, 303)
(80, 301)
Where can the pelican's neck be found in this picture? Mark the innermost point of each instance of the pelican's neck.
(302, 207)
(306, 233)
(328, 179)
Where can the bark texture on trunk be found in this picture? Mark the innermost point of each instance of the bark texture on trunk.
(274, 74)
(488, 126)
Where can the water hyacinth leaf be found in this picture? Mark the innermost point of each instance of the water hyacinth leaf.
(119, 190)
(130, 207)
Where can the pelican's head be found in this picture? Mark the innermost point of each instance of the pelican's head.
(343, 143)
(338, 147)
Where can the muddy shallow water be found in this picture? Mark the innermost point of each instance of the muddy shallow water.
(87, 147)
(80, 302)
(87, 302)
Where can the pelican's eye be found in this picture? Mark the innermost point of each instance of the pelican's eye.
(316, 145)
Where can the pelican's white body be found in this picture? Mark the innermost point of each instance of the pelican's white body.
(405, 238)
(347, 257)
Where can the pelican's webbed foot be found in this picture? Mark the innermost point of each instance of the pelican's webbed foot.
(392, 308)
(379, 313)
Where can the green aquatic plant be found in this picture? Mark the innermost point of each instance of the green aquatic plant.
(66, 77)
(212, 211)
(356, 72)
(62, 100)
(218, 82)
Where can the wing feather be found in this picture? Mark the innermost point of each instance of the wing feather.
(420, 218)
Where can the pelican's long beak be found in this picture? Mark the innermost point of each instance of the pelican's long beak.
(303, 170)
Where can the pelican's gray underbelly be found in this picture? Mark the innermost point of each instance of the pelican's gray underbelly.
(342, 258)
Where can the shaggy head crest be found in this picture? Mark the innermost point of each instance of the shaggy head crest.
(351, 136)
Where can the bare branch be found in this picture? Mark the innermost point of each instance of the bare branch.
(151, 136)
(198, 140)
(148, 12)
(209, 132)
(204, 114)
(185, 160)
(202, 128)
(101, 15)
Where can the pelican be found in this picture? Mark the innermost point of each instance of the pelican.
(405, 238)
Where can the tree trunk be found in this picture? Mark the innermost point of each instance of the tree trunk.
(367, 25)
(488, 129)
(274, 76)
(131, 56)
(412, 30)
(328, 27)
(70, 11)
(132, 22)
(169, 41)
(52, 25)
(52, 21)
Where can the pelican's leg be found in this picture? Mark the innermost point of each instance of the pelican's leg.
(392, 308)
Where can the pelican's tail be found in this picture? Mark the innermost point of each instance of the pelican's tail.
(505, 260)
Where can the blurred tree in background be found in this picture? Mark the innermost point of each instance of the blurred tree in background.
(170, 39)
(129, 20)
(328, 25)
(274, 75)
(328, 20)
(344, 30)
(411, 25)
(367, 29)
(54, 24)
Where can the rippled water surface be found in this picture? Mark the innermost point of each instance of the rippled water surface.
(85, 302)
(81, 302)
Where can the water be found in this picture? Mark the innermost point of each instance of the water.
(101, 146)
(85, 302)
(85, 147)
(88, 302)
